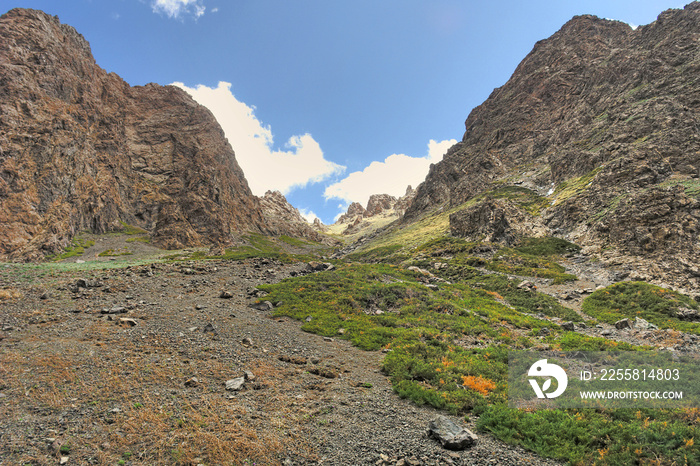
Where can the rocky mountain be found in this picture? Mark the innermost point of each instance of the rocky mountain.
(80, 149)
(284, 219)
(381, 208)
(595, 138)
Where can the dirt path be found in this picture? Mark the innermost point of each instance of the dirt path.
(76, 382)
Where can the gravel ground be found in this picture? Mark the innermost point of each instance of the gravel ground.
(71, 370)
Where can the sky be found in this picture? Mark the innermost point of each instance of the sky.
(329, 101)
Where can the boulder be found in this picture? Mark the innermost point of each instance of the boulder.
(451, 435)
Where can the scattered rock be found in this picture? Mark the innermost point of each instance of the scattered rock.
(293, 359)
(544, 331)
(568, 326)
(688, 314)
(87, 283)
(642, 324)
(235, 384)
(527, 285)
(450, 435)
(128, 321)
(327, 372)
(192, 382)
(226, 295)
(209, 328)
(263, 306)
(624, 324)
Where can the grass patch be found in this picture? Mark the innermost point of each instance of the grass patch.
(527, 199)
(511, 261)
(657, 305)
(139, 239)
(588, 436)
(547, 246)
(132, 230)
(574, 186)
(77, 247)
(113, 253)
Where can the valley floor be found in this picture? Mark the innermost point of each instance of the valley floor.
(79, 385)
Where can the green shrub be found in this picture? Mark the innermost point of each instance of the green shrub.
(639, 299)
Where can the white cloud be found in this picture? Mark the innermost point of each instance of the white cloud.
(391, 176)
(175, 8)
(265, 169)
(309, 215)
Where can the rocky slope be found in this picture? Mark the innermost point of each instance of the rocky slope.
(594, 138)
(80, 149)
(284, 219)
(381, 208)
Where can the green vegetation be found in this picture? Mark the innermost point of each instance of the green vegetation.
(76, 248)
(616, 437)
(448, 344)
(527, 199)
(574, 186)
(132, 230)
(259, 246)
(638, 299)
(139, 239)
(113, 253)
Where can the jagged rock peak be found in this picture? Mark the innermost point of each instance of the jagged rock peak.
(379, 203)
(83, 150)
(284, 219)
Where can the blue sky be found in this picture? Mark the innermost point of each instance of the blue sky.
(329, 101)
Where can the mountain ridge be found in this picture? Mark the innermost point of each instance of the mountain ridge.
(600, 122)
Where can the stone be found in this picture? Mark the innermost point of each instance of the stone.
(64, 460)
(209, 328)
(192, 382)
(87, 283)
(128, 322)
(249, 375)
(247, 341)
(688, 314)
(526, 285)
(263, 306)
(642, 324)
(235, 384)
(624, 324)
(451, 435)
(544, 331)
(568, 326)
(226, 295)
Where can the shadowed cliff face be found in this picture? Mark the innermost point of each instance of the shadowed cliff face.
(82, 150)
(603, 122)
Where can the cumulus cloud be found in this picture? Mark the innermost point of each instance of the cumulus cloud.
(300, 163)
(391, 176)
(309, 215)
(176, 8)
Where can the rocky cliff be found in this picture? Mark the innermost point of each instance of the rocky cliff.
(284, 219)
(80, 149)
(595, 137)
(381, 210)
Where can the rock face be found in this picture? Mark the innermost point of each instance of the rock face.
(378, 203)
(599, 123)
(82, 150)
(378, 206)
(284, 219)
